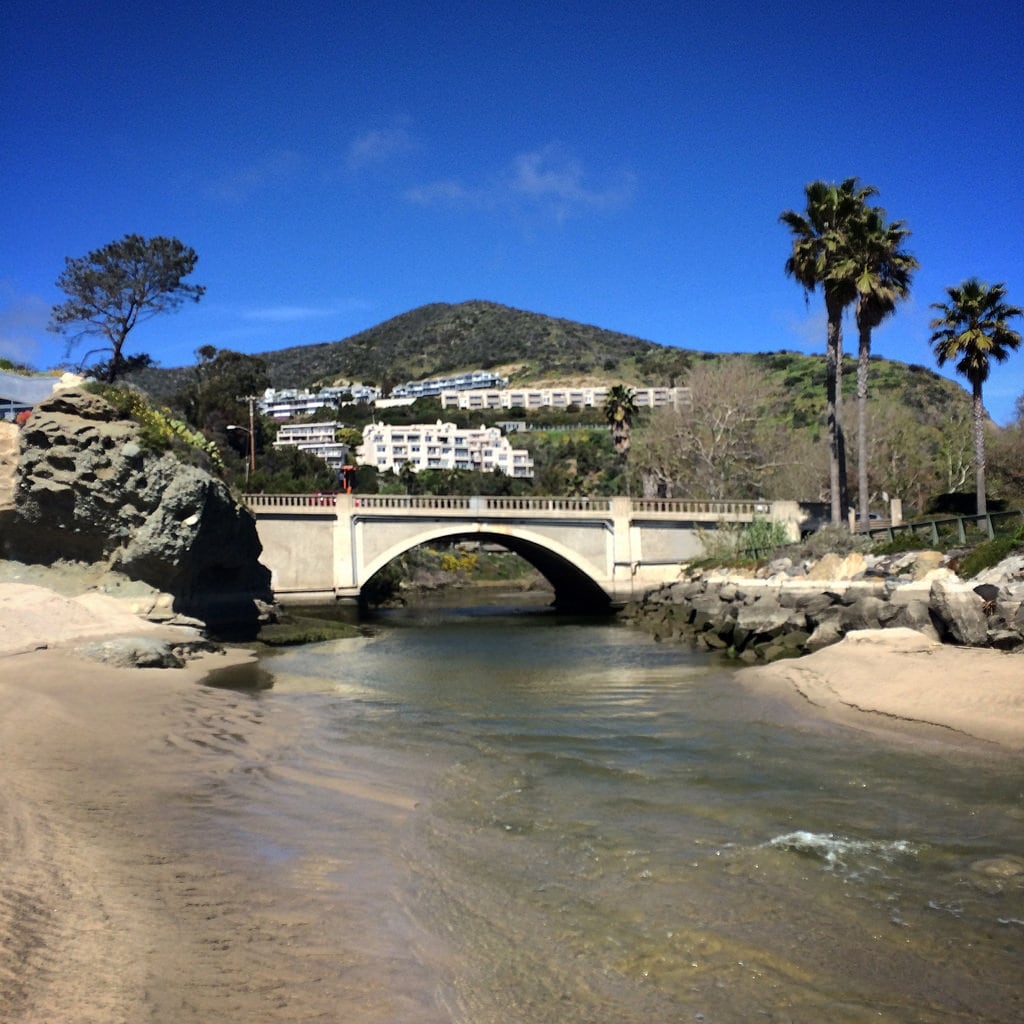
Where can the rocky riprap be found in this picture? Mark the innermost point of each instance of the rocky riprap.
(88, 489)
(788, 611)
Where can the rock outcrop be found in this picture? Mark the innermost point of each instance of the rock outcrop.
(89, 489)
(784, 616)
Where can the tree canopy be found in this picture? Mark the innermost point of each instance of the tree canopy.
(113, 289)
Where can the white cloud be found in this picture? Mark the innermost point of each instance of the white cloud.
(241, 185)
(546, 181)
(295, 314)
(448, 191)
(808, 331)
(549, 174)
(377, 146)
(23, 319)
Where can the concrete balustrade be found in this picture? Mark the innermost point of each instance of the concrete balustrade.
(595, 551)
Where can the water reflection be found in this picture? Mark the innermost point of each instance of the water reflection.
(609, 829)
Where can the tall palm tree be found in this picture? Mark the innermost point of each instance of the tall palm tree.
(882, 272)
(818, 259)
(619, 409)
(973, 330)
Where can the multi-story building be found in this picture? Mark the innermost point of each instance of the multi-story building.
(316, 438)
(284, 403)
(461, 382)
(557, 398)
(442, 446)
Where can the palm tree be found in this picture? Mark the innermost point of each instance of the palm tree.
(973, 330)
(619, 409)
(817, 258)
(882, 272)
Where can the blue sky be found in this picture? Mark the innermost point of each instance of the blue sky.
(335, 165)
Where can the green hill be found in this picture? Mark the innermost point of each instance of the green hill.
(445, 338)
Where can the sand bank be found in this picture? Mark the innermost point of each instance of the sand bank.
(117, 906)
(899, 682)
(125, 894)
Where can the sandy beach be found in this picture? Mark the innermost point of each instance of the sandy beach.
(899, 683)
(107, 914)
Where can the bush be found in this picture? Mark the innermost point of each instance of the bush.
(161, 432)
(762, 537)
(832, 539)
(903, 541)
(992, 552)
(734, 544)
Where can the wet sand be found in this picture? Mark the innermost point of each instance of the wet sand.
(120, 899)
(113, 905)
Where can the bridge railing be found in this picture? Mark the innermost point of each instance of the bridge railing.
(502, 503)
(678, 507)
(291, 501)
(453, 501)
(682, 507)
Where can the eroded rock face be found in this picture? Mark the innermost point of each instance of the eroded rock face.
(88, 490)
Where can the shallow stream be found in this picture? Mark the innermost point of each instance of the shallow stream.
(527, 818)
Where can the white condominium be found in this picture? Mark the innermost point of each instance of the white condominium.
(442, 446)
(557, 398)
(317, 439)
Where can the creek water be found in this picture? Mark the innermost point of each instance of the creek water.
(529, 818)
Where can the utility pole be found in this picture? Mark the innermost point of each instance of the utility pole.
(251, 399)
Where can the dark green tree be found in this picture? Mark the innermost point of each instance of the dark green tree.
(818, 259)
(973, 330)
(221, 382)
(113, 289)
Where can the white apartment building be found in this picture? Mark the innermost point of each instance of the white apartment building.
(442, 446)
(285, 403)
(435, 385)
(315, 438)
(557, 398)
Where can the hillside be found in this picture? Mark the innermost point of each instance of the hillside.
(529, 347)
(444, 338)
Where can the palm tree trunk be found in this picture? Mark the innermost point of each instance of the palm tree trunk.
(979, 446)
(863, 352)
(833, 381)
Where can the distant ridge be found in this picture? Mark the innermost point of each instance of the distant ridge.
(443, 338)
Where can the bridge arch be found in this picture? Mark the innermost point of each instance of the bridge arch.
(573, 579)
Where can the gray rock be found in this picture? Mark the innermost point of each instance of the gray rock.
(915, 615)
(960, 612)
(826, 634)
(89, 490)
(133, 652)
(864, 613)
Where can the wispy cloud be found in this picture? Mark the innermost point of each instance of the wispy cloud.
(285, 314)
(808, 331)
(23, 319)
(242, 184)
(378, 146)
(546, 180)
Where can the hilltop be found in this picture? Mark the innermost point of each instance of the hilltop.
(443, 338)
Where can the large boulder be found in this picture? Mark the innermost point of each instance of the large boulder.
(960, 612)
(89, 489)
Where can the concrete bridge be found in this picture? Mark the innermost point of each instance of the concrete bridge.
(596, 552)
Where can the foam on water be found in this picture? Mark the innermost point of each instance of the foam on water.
(841, 853)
